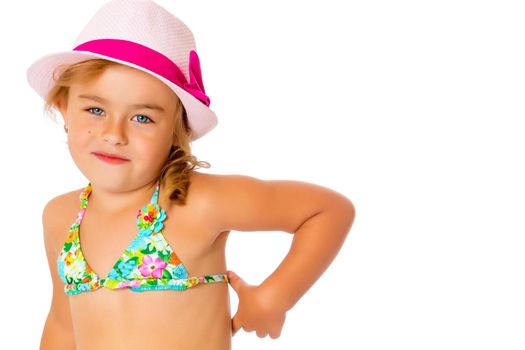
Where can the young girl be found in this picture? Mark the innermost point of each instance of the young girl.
(149, 269)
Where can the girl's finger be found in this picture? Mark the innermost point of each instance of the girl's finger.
(235, 325)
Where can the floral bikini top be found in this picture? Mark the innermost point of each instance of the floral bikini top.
(148, 263)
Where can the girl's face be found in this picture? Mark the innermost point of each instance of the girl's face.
(125, 112)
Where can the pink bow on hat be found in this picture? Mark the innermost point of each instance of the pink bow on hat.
(195, 86)
(152, 60)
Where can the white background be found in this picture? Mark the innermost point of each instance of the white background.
(412, 109)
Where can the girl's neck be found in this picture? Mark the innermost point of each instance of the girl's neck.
(111, 202)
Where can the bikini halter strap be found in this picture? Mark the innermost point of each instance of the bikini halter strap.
(143, 213)
(155, 196)
(84, 197)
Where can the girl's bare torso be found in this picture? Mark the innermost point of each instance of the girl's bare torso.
(195, 318)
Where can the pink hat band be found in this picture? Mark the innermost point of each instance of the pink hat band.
(152, 60)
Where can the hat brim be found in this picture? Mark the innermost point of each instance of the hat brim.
(201, 118)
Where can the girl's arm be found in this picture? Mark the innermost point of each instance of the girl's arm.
(314, 246)
(319, 218)
(58, 329)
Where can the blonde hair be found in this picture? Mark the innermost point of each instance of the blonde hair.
(174, 177)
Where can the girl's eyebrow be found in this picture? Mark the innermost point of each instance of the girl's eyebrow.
(138, 105)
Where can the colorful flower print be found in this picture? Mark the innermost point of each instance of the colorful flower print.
(77, 269)
(180, 271)
(127, 266)
(132, 284)
(158, 242)
(60, 267)
(150, 217)
(148, 263)
(69, 258)
(70, 236)
(151, 266)
(138, 243)
(114, 275)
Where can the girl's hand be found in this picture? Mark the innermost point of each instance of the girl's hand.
(257, 310)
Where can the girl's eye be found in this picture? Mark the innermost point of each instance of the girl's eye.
(141, 118)
(93, 108)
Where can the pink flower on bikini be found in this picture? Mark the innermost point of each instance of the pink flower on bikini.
(153, 267)
(132, 284)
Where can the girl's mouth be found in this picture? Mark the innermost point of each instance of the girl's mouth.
(112, 159)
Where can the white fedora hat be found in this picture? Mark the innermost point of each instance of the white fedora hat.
(143, 35)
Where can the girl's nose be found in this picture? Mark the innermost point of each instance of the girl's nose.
(114, 133)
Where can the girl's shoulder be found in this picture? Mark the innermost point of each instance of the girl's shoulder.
(62, 204)
(206, 189)
(58, 215)
(227, 200)
(208, 196)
